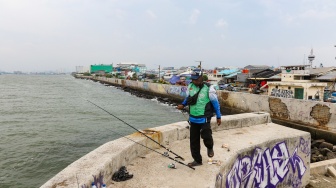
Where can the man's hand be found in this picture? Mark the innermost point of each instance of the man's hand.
(219, 121)
(180, 107)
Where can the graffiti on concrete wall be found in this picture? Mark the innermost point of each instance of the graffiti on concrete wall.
(219, 182)
(178, 90)
(161, 88)
(305, 146)
(145, 85)
(131, 83)
(267, 168)
(282, 93)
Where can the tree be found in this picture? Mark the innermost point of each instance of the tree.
(134, 76)
(151, 76)
(205, 77)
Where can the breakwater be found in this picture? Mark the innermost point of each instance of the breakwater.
(86, 170)
(311, 116)
(251, 140)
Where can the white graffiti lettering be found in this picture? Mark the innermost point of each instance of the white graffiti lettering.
(282, 93)
(177, 90)
(174, 90)
(265, 168)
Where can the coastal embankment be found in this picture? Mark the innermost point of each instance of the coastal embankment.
(318, 118)
(250, 151)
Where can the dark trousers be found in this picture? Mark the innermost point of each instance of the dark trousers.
(196, 131)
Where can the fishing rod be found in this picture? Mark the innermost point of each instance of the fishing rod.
(163, 154)
(177, 156)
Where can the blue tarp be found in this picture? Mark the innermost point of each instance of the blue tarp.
(176, 78)
(232, 75)
(228, 71)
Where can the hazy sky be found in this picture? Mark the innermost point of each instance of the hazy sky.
(41, 35)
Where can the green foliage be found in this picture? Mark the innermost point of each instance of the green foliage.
(87, 74)
(205, 77)
(151, 76)
(108, 75)
(134, 76)
(162, 81)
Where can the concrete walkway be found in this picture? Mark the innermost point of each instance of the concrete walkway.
(253, 152)
(320, 176)
(152, 169)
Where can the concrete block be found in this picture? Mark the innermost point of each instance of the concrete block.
(241, 120)
(321, 167)
(332, 171)
(255, 118)
(228, 122)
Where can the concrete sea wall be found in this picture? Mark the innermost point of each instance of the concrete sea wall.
(264, 158)
(315, 114)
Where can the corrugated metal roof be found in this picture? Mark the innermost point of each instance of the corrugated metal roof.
(277, 76)
(232, 75)
(330, 76)
(321, 70)
(265, 73)
(256, 66)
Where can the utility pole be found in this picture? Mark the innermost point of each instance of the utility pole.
(159, 73)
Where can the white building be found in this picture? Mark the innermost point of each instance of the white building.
(82, 69)
(297, 82)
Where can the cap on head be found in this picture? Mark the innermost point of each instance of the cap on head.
(196, 73)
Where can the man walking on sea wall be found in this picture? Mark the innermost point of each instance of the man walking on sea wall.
(203, 102)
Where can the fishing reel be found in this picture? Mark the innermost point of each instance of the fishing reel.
(185, 109)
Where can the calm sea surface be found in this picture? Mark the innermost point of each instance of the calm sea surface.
(46, 123)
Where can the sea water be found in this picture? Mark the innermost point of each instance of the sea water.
(46, 123)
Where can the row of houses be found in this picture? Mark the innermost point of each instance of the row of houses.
(293, 81)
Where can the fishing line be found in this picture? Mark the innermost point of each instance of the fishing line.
(177, 156)
(163, 154)
(187, 119)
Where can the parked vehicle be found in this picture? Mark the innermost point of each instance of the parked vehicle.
(228, 87)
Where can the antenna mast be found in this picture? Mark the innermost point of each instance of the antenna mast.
(311, 58)
(200, 64)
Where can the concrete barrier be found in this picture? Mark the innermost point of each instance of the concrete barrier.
(322, 166)
(321, 115)
(261, 153)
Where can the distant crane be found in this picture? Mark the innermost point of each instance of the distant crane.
(311, 58)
